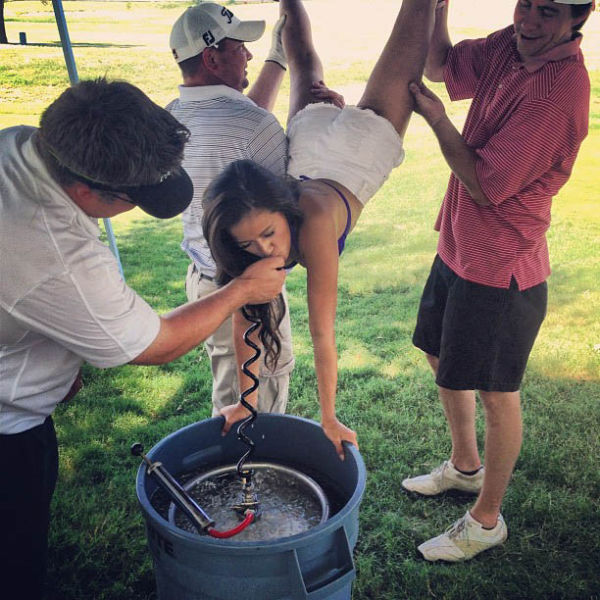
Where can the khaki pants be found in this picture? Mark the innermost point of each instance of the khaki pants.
(274, 385)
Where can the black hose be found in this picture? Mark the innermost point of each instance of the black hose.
(253, 412)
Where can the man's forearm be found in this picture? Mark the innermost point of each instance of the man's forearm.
(460, 157)
(189, 325)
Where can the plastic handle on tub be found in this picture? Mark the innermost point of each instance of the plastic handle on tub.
(333, 570)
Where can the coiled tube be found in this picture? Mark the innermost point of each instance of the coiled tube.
(253, 412)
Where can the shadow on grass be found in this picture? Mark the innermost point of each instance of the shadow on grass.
(58, 44)
(401, 431)
(386, 393)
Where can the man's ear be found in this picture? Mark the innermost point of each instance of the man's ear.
(79, 192)
(210, 59)
(84, 196)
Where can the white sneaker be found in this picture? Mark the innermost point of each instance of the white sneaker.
(442, 478)
(464, 540)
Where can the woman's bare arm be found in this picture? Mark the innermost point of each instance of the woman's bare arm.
(318, 245)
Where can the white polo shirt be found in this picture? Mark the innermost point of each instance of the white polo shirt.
(225, 126)
(62, 298)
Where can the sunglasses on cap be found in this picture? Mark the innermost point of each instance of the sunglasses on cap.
(163, 200)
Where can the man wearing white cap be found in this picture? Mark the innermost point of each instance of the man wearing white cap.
(208, 43)
(485, 298)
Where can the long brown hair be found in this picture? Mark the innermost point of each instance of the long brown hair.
(242, 187)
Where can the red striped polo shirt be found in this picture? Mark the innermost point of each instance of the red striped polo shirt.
(526, 123)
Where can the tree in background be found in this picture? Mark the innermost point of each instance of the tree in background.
(3, 37)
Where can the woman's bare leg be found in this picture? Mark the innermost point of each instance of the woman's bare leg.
(303, 62)
(402, 61)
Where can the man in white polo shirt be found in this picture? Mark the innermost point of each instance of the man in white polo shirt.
(102, 148)
(207, 42)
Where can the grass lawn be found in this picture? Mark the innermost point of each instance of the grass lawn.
(98, 546)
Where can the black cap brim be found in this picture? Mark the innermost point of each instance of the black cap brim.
(166, 199)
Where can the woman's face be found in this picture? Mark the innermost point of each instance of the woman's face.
(263, 233)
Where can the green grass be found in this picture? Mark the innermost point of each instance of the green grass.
(98, 548)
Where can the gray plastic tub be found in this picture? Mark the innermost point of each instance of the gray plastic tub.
(315, 565)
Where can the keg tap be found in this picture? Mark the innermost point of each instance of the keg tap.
(248, 506)
(201, 521)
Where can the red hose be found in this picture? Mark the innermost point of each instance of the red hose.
(227, 534)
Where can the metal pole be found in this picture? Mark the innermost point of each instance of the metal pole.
(61, 22)
(112, 242)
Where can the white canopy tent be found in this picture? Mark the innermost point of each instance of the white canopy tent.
(65, 40)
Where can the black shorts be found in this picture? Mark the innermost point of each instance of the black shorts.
(28, 472)
(482, 335)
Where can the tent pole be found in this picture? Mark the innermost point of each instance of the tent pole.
(61, 22)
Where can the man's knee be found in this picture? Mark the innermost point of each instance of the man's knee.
(499, 405)
(434, 362)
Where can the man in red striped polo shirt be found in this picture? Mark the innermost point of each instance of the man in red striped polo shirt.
(485, 298)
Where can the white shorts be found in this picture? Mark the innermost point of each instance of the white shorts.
(353, 146)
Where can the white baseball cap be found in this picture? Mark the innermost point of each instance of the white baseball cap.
(573, 1)
(205, 25)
